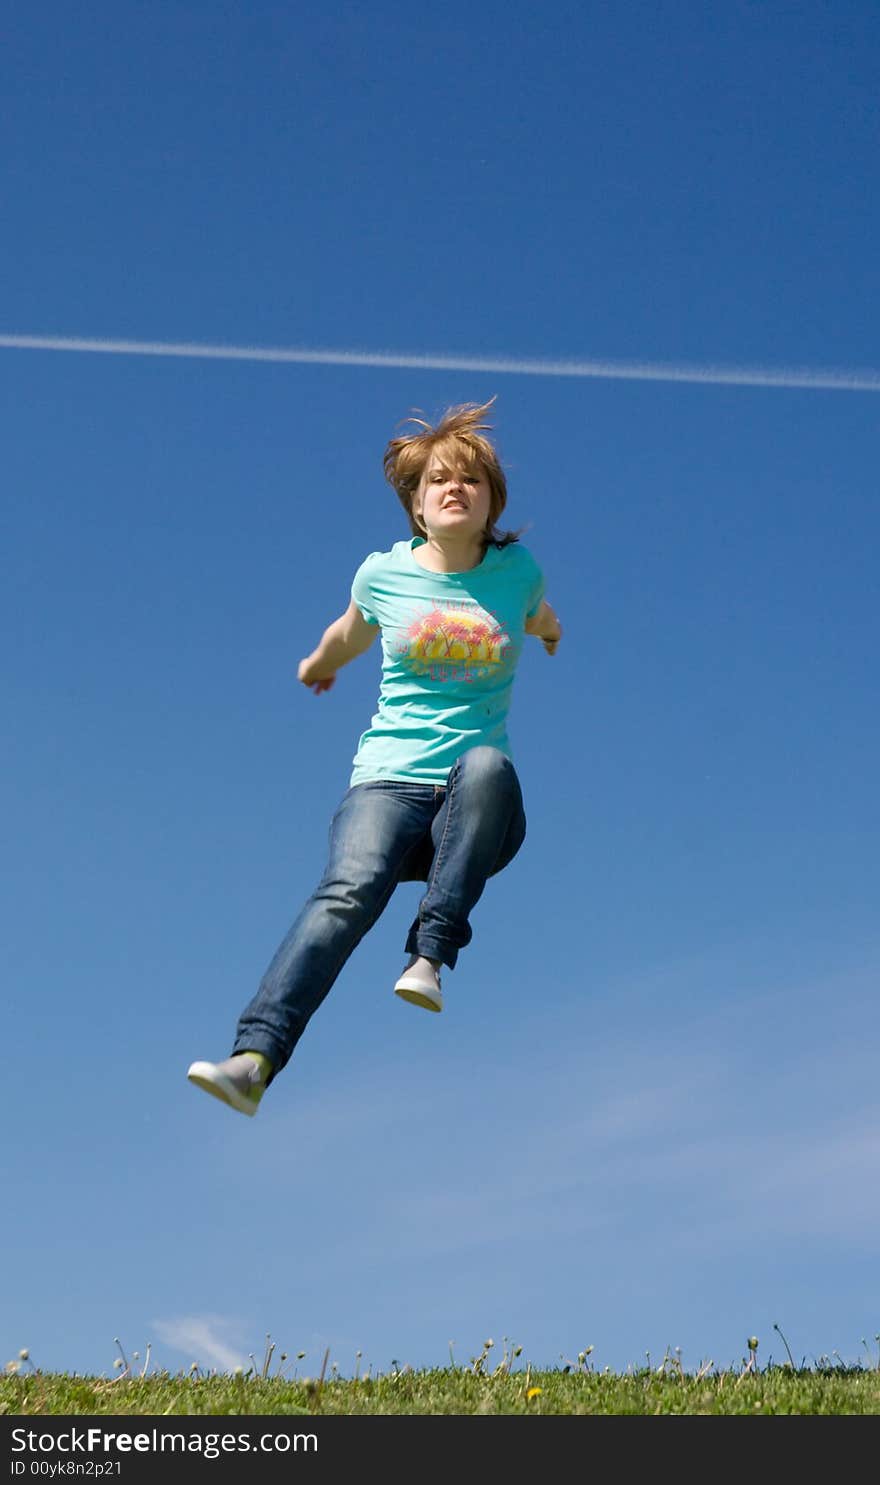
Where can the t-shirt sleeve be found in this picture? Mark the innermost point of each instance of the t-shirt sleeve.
(362, 588)
(534, 587)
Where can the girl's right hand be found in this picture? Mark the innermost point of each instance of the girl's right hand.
(311, 676)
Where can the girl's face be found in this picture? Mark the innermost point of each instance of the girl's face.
(453, 502)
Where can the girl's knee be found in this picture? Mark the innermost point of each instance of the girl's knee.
(486, 765)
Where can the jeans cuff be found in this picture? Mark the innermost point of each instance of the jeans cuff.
(432, 948)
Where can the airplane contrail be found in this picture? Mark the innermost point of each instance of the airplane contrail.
(822, 379)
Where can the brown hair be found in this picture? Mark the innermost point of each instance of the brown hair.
(458, 439)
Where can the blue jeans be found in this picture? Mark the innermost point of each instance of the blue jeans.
(453, 836)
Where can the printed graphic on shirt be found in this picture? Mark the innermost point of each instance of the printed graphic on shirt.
(454, 642)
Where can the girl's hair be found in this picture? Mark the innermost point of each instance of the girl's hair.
(458, 440)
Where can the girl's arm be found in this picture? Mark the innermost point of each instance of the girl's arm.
(346, 638)
(545, 625)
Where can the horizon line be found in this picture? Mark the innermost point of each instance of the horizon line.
(707, 374)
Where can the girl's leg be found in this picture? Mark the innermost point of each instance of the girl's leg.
(476, 833)
(374, 829)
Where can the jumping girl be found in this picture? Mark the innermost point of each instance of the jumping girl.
(433, 795)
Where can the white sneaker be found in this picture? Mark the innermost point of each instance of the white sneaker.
(239, 1081)
(420, 984)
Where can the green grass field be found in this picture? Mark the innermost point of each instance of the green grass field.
(510, 1387)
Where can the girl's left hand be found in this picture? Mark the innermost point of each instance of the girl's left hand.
(546, 627)
(552, 632)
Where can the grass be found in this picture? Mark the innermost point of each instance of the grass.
(509, 1387)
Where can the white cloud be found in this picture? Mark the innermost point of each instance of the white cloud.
(814, 379)
(197, 1336)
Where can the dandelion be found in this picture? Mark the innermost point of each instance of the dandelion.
(24, 1354)
(533, 1392)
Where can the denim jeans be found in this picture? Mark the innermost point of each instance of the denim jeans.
(453, 837)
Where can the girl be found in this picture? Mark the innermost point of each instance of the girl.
(433, 795)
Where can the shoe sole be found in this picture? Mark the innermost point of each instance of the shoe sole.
(416, 994)
(205, 1076)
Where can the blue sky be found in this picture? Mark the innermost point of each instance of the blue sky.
(648, 1116)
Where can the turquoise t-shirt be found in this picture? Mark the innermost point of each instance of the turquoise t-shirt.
(450, 646)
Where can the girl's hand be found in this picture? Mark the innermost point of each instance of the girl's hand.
(551, 632)
(311, 676)
(546, 627)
